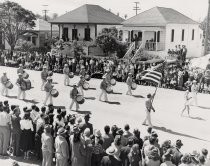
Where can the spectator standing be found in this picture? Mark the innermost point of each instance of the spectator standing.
(177, 155)
(107, 138)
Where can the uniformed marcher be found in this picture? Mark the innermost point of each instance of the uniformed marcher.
(129, 83)
(19, 83)
(73, 95)
(4, 80)
(80, 85)
(103, 87)
(48, 87)
(66, 75)
(44, 75)
(20, 69)
(149, 107)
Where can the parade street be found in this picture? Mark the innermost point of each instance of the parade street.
(122, 109)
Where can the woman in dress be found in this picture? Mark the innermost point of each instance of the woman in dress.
(26, 135)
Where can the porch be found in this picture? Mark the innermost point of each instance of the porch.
(151, 38)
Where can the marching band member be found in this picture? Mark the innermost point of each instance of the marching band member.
(4, 80)
(66, 75)
(103, 87)
(194, 90)
(187, 103)
(19, 83)
(149, 107)
(20, 69)
(80, 85)
(44, 75)
(48, 87)
(73, 95)
(129, 83)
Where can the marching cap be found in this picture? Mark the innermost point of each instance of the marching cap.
(19, 74)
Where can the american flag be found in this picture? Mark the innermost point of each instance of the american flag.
(155, 74)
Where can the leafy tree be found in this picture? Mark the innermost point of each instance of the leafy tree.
(14, 21)
(55, 15)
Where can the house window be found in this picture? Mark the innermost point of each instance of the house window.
(193, 32)
(182, 34)
(172, 35)
(158, 36)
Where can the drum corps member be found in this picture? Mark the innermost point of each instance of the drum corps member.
(66, 75)
(187, 103)
(149, 107)
(44, 75)
(4, 80)
(80, 85)
(20, 69)
(194, 90)
(73, 95)
(103, 87)
(19, 84)
(129, 83)
(48, 87)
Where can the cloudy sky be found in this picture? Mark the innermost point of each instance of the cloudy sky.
(196, 9)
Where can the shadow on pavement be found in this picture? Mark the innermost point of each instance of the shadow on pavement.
(61, 107)
(92, 89)
(54, 83)
(203, 107)
(197, 118)
(21, 160)
(31, 101)
(113, 102)
(138, 96)
(116, 93)
(90, 98)
(177, 133)
(12, 97)
(82, 112)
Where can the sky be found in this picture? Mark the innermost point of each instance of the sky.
(195, 9)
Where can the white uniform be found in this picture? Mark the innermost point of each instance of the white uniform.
(48, 87)
(66, 76)
(4, 79)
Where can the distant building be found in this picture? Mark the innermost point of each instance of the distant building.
(85, 23)
(163, 29)
(39, 35)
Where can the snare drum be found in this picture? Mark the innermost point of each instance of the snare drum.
(71, 75)
(109, 89)
(54, 93)
(9, 85)
(113, 82)
(85, 86)
(25, 75)
(87, 77)
(80, 99)
(23, 86)
(133, 86)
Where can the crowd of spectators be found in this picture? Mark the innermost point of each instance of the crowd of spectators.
(53, 136)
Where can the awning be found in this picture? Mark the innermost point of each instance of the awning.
(124, 28)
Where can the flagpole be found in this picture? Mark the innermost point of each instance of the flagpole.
(155, 93)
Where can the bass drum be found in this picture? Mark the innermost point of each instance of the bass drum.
(50, 73)
(113, 82)
(71, 75)
(80, 99)
(133, 86)
(109, 89)
(27, 84)
(9, 85)
(87, 77)
(54, 93)
(85, 86)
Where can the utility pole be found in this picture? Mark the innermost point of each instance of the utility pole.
(45, 12)
(136, 7)
(207, 31)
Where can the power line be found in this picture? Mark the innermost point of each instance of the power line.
(45, 11)
(136, 7)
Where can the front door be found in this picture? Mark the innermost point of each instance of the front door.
(87, 34)
(140, 36)
(65, 34)
(74, 34)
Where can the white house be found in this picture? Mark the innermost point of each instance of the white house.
(85, 22)
(164, 28)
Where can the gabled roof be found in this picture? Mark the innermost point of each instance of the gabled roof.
(42, 25)
(158, 16)
(89, 14)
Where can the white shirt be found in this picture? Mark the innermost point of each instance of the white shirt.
(34, 115)
(167, 163)
(26, 124)
(5, 119)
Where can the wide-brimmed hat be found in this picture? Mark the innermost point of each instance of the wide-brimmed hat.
(179, 142)
(61, 131)
(111, 151)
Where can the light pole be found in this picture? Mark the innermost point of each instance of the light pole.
(207, 31)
